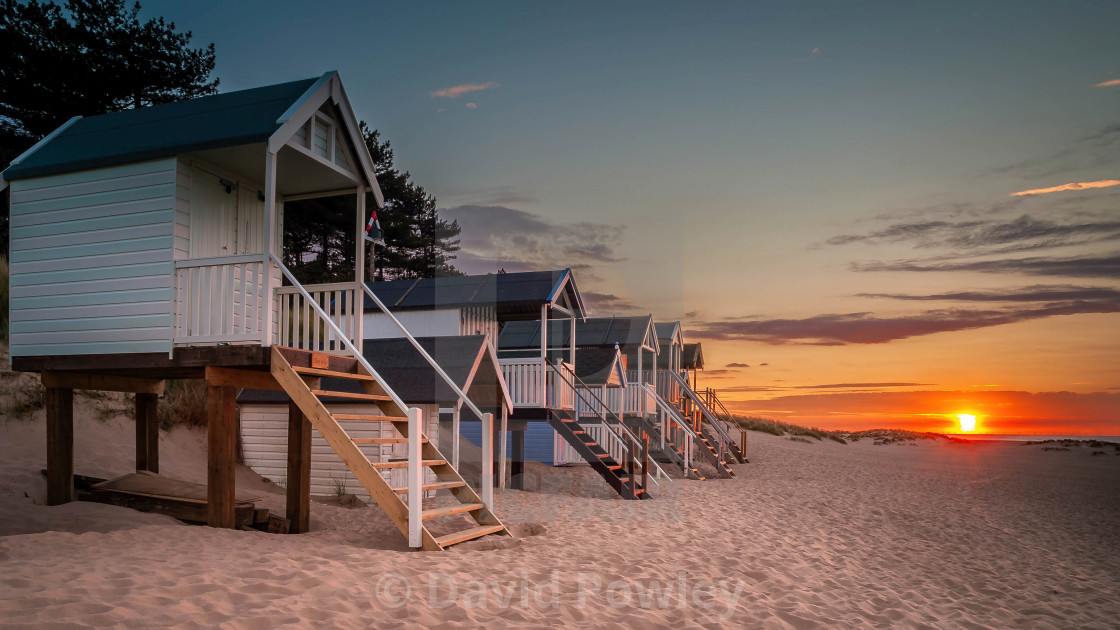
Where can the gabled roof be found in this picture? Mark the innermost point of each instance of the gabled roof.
(601, 366)
(692, 357)
(134, 135)
(470, 362)
(594, 332)
(270, 114)
(669, 333)
(516, 296)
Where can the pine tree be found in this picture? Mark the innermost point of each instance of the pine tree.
(84, 58)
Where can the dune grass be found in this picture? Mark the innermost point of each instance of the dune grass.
(775, 427)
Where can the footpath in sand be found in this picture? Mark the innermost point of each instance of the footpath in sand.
(935, 535)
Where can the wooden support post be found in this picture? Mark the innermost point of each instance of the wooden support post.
(147, 432)
(455, 435)
(415, 479)
(503, 432)
(487, 480)
(298, 504)
(60, 445)
(645, 459)
(221, 434)
(517, 461)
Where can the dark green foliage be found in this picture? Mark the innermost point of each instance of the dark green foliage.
(84, 58)
(319, 233)
(418, 243)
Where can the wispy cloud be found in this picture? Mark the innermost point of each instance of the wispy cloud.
(999, 237)
(471, 106)
(1103, 183)
(1036, 293)
(1082, 154)
(816, 51)
(456, 91)
(1106, 266)
(865, 328)
(599, 302)
(498, 236)
(1109, 83)
(737, 365)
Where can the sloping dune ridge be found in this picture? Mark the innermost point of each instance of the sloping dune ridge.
(934, 535)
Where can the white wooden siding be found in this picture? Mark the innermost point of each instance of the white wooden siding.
(264, 443)
(91, 260)
(479, 320)
(441, 323)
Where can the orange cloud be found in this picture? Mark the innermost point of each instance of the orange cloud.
(456, 91)
(1109, 83)
(471, 106)
(1104, 183)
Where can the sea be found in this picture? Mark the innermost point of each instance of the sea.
(1032, 438)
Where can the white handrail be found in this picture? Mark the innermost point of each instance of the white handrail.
(487, 419)
(412, 415)
(712, 419)
(402, 407)
(424, 353)
(619, 423)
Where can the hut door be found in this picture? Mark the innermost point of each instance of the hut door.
(213, 215)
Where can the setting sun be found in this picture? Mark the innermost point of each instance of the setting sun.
(968, 422)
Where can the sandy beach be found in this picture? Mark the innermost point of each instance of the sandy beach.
(933, 535)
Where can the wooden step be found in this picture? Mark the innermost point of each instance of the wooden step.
(310, 371)
(321, 393)
(391, 440)
(360, 417)
(451, 509)
(602, 455)
(440, 485)
(468, 534)
(404, 464)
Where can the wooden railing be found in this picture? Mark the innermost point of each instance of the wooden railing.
(301, 327)
(639, 399)
(220, 300)
(531, 386)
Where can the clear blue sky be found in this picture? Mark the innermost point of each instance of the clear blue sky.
(747, 166)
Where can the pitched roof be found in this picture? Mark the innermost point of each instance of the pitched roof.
(594, 332)
(464, 359)
(208, 122)
(514, 295)
(596, 366)
(692, 356)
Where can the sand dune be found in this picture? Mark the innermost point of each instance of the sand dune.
(809, 535)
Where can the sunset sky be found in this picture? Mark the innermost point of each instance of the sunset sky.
(870, 214)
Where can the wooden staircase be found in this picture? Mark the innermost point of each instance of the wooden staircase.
(671, 453)
(300, 374)
(619, 475)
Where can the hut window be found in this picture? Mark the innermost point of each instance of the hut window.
(340, 156)
(321, 140)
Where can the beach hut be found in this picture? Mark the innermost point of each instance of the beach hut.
(470, 361)
(672, 437)
(538, 385)
(146, 245)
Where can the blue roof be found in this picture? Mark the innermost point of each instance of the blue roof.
(514, 295)
(134, 135)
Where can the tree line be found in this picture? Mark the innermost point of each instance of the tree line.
(89, 57)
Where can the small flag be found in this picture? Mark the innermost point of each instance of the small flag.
(373, 228)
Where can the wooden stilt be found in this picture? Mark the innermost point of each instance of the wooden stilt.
(299, 470)
(147, 432)
(60, 445)
(221, 455)
(517, 461)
